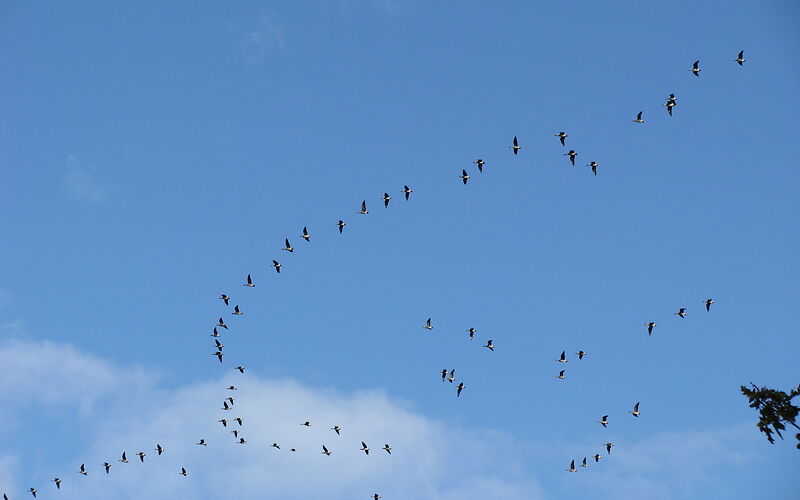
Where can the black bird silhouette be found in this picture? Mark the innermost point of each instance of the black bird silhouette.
(464, 176)
(740, 58)
(341, 225)
(562, 136)
(515, 147)
(407, 191)
(480, 163)
(277, 266)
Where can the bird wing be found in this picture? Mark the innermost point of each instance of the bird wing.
(364, 206)
(639, 116)
(515, 141)
(696, 64)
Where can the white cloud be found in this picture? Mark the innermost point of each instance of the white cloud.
(82, 183)
(127, 411)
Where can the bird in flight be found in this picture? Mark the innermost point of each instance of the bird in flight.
(240, 368)
(594, 166)
(219, 345)
(650, 327)
(407, 191)
(597, 457)
(563, 358)
(489, 345)
(124, 458)
(444, 374)
(58, 483)
(515, 147)
(277, 266)
(363, 210)
(249, 282)
(276, 445)
(428, 325)
(740, 58)
(224, 422)
(202, 442)
(224, 298)
(141, 456)
(387, 448)
(341, 225)
(561, 375)
(218, 354)
(159, 449)
(222, 323)
(82, 470)
(452, 377)
(225, 406)
(584, 464)
(236, 310)
(336, 429)
(107, 466)
(572, 154)
(325, 451)
(232, 388)
(608, 447)
(672, 101)
(572, 467)
(471, 332)
(215, 333)
(464, 176)
(480, 163)
(239, 420)
(635, 411)
(581, 354)
(241, 440)
(603, 421)
(287, 246)
(305, 234)
(33, 492)
(183, 472)
(639, 118)
(681, 312)
(386, 198)
(562, 136)
(460, 388)
(708, 303)
(306, 424)
(696, 68)
(376, 497)
(364, 447)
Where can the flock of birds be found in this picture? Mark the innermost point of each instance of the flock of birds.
(446, 375)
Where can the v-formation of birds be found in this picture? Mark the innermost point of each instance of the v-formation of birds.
(446, 375)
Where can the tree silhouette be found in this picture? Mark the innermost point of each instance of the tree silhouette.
(775, 407)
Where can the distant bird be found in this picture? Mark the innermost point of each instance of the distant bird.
(224, 422)
(581, 354)
(249, 281)
(696, 68)
(563, 358)
(594, 166)
(480, 163)
(681, 312)
(608, 447)
(452, 377)
(141, 456)
(708, 303)
(670, 104)
(460, 388)
(387, 448)
(82, 470)
(215, 333)
(471, 332)
(232, 388)
(363, 210)
(159, 449)
(572, 154)
(407, 191)
(364, 447)
(562, 136)
(292, 449)
(235, 433)
(639, 118)
(428, 325)
(650, 327)
(386, 199)
(444, 374)
(242, 440)
(202, 442)
(236, 310)
(672, 98)
(287, 246)
(341, 225)
(515, 147)
(597, 457)
(33, 492)
(561, 375)
(239, 420)
(225, 406)
(124, 458)
(603, 421)
(276, 445)
(306, 424)
(277, 266)
(55, 480)
(183, 472)
(325, 451)
(336, 429)
(240, 368)
(224, 298)
(305, 234)
(231, 400)
(740, 58)
(376, 497)
(218, 354)
(572, 467)
(107, 466)
(635, 411)
(222, 324)
(464, 176)
(489, 345)
(584, 464)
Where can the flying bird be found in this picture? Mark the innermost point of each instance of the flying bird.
(364, 447)
(740, 58)
(249, 281)
(124, 458)
(202, 442)
(363, 210)
(572, 467)
(230, 399)
(287, 246)
(232, 388)
(305, 235)
(581, 354)
(603, 421)
(515, 147)
(325, 451)
(387, 448)
(460, 388)
(306, 424)
(471, 332)
(277, 266)
(489, 345)
(336, 428)
(225, 406)
(222, 324)
(240, 368)
(218, 354)
(464, 176)
(428, 325)
(572, 154)
(141, 456)
(608, 447)
(82, 470)
(183, 472)
(224, 298)
(33, 492)
(681, 312)
(376, 497)
(55, 480)
(480, 163)
(236, 310)
(639, 118)
(341, 225)
(594, 166)
(563, 358)
(650, 327)
(444, 374)
(407, 191)
(635, 411)
(708, 303)
(696, 68)
(239, 420)
(215, 333)
(452, 377)
(241, 440)
(562, 136)
(584, 464)
(276, 445)
(224, 422)
(159, 449)
(218, 344)
(597, 457)
(561, 375)
(107, 466)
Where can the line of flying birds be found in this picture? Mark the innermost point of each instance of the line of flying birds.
(515, 147)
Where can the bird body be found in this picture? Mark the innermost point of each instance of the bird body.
(515, 147)
(695, 69)
(561, 375)
(572, 154)
(581, 354)
(635, 411)
(562, 136)
(708, 303)
(480, 163)
(563, 358)
(460, 388)
(305, 235)
(249, 282)
(277, 266)
(407, 191)
(464, 176)
(386, 199)
(572, 467)
(639, 118)
(489, 346)
(364, 447)
(740, 58)
(341, 225)
(287, 246)
(650, 327)
(224, 298)
(428, 325)
(603, 421)
(363, 210)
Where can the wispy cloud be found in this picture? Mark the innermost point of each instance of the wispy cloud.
(82, 183)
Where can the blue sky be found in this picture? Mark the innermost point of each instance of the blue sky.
(153, 157)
